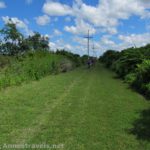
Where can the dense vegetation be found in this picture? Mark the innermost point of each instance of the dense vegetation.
(13, 43)
(133, 65)
(29, 58)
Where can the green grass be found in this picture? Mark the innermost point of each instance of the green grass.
(83, 109)
(32, 66)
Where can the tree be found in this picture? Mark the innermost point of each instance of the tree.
(110, 57)
(38, 42)
(11, 38)
(12, 42)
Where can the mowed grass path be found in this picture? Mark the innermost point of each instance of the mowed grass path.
(83, 109)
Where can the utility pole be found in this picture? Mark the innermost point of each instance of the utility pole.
(94, 52)
(133, 42)
(88, 37)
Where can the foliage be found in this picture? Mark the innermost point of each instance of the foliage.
(142, 81)
(130, 78)
(84, 59)
(32, 66)
(5, 61)
(12, 42)
(28, 58)
(110, 57)
(36, 42)
(132, 65)
(11, 39)
(74, 57)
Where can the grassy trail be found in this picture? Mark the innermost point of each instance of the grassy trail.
(83, 110)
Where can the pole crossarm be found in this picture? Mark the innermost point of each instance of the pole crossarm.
(88, 37)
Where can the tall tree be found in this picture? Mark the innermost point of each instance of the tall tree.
(11, 38)
(38, 42)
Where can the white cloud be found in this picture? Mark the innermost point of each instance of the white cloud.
(42, 20)
(109, 30)
(60, 44)
(106, 15)
(126, 41)
(81, 28)
(81, 46)
(80, 41)
(134, 40)
(14, 20)
(2, 4)
(105, 41)
(57, 32)
(53, 46)
(19, 23)
(56, 9)
(68, 47)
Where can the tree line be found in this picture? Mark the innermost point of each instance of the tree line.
(25, 58)
(13, 42)
(132, 65)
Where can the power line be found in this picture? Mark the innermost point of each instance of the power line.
(132, 42)
(88, 37)
(94, 52)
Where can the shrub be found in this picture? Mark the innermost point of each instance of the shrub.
(142, 76)
(132, 64)
(130, 78)
(65, 65)
(31, 66)
(35, 65)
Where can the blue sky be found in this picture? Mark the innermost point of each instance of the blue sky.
(114, 24)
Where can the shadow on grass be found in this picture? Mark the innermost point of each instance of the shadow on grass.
(133, 89)
(141, 127)
(116, 77)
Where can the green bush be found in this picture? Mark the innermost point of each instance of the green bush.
(142, 80)
(109, 58)
(31, 66)
(75, 58)
(35, 65)
(65, 65)
(130, 78)
(132, 64)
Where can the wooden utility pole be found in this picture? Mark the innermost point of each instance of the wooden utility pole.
(88, 37)
(133, 42)
(94, 52)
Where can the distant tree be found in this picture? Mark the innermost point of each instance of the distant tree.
(84, 59)
(110, 57)
(1, 50)
(12, 42)
(45, 43)
(11, 38)
(38, 42)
